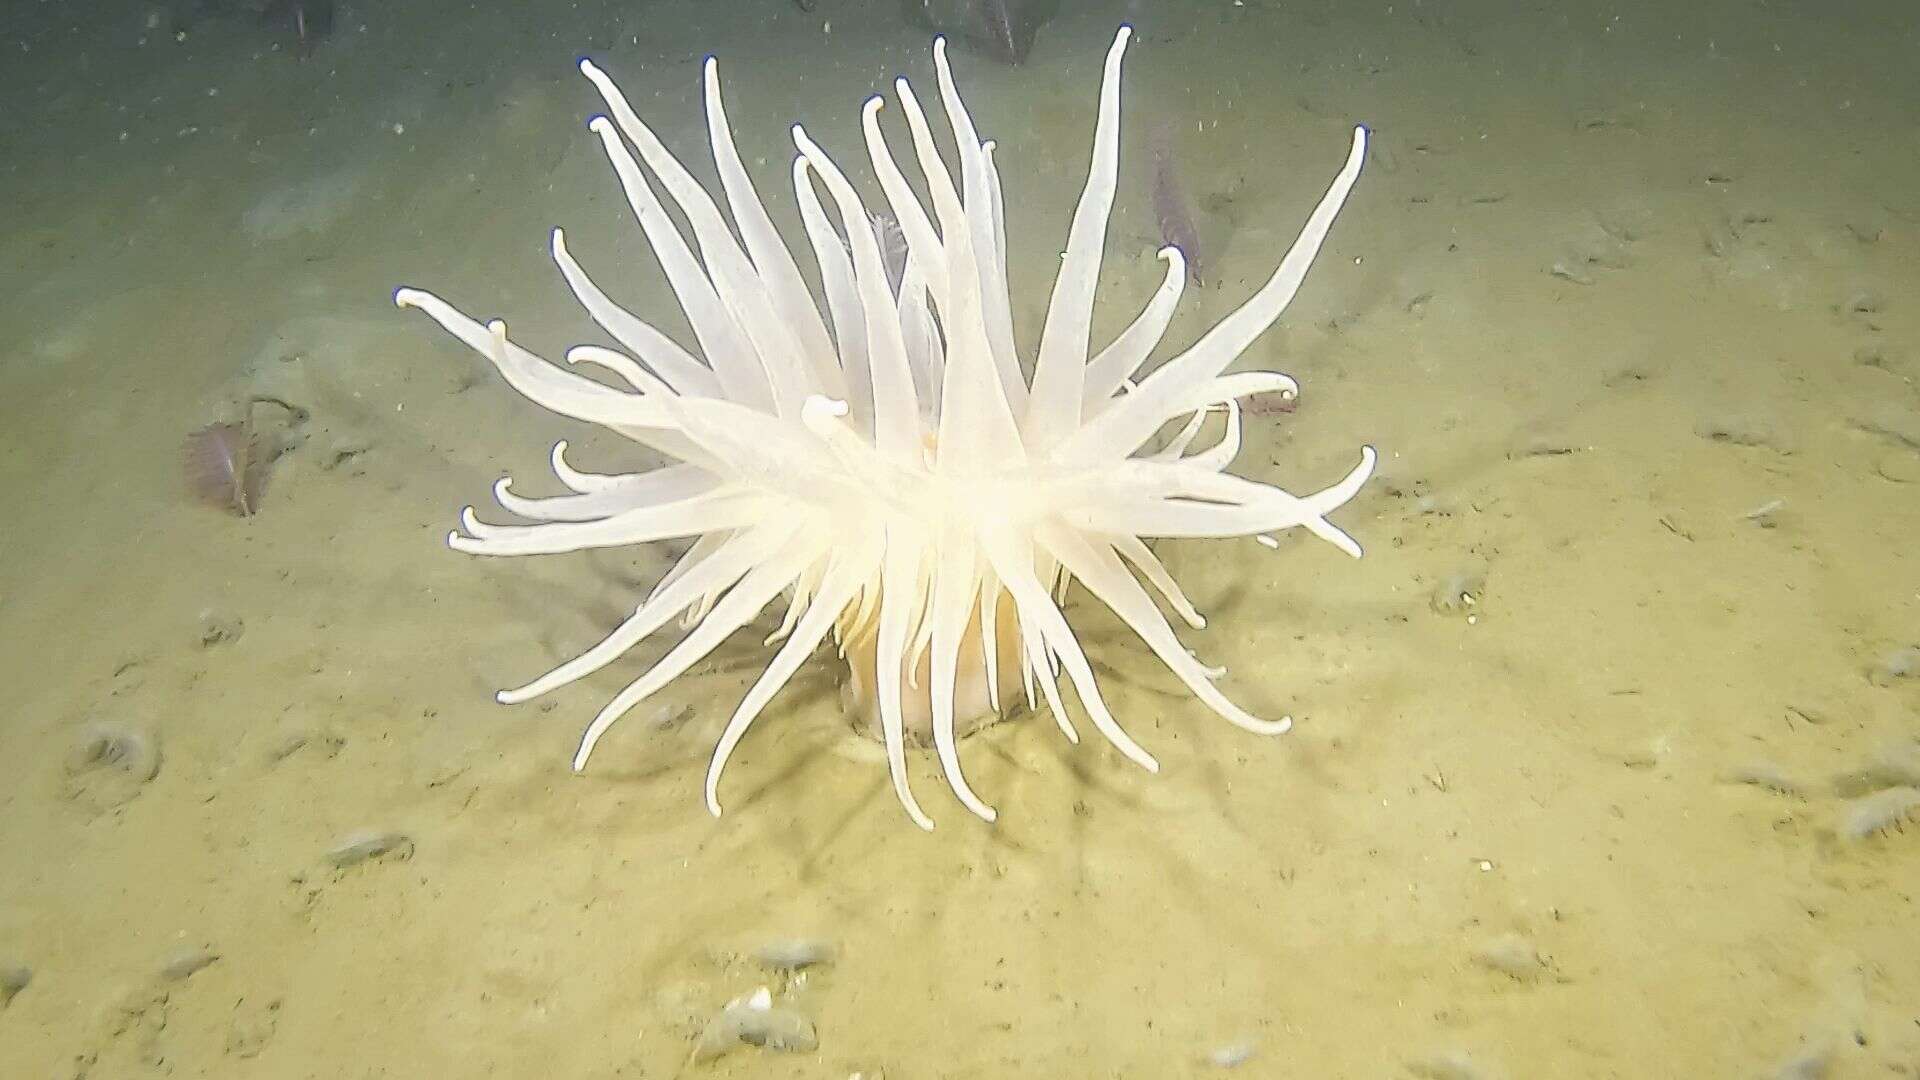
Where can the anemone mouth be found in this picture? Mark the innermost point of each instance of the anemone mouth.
(879, 455)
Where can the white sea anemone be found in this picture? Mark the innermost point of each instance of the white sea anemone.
(889, 467)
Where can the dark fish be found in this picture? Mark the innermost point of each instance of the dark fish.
(1170, 204)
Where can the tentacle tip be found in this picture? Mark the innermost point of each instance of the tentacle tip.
(823, 405)
(1125, 33)
(503, 697)
(587, 67)
(406, 297)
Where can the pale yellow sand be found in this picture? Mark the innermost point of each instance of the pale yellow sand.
(1723, 189)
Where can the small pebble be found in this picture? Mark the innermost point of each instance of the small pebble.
(1460, 592)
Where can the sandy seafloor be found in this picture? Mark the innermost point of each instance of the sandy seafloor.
(1731, 191)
